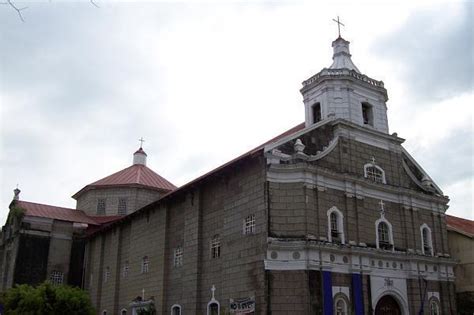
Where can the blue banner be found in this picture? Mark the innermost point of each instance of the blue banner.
(358, 297)
(327, 293)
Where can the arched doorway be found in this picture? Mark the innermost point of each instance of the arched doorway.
(387, 305)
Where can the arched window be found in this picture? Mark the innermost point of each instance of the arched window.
(434, 307)
(384, 234)
(145, 264)
(104, 312)
(374, 173)
(216, 246)
(123, 312)
(336, 226)
(176, 309)
(426, 240)
(341, 307)
(213, 309)
(213, 306)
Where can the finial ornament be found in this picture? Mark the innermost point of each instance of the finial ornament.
(141, 142)
(373, 160)
(382, 209)
(213, 290)
(338, 25)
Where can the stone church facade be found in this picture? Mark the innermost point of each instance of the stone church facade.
(331, 217)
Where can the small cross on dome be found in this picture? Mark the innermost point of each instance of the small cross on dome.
(141, 142)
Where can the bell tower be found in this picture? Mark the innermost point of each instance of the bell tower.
(341, 91)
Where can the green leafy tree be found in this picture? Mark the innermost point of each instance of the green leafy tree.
(47, 299)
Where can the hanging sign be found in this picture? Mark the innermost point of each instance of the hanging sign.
(242, 306)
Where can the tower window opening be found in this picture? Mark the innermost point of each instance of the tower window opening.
(367, 114)
(316, 108)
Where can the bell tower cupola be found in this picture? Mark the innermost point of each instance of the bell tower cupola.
(342, 91)
(139, 157)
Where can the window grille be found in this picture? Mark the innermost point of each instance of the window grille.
(249, 225)
(122, 206)
(375, 174)
(216, 246)
(107, 274)
(145, 264)
(125, 269)
(56, 277)
(334, 225)
(101, 206)
(178, 257)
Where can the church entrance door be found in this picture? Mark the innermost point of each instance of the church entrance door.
(387, 305)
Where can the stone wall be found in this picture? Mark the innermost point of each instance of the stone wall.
(188, 219)
(136, 199)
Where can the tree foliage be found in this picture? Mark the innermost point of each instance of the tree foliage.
(47, 299)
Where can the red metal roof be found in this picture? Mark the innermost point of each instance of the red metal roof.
(460, 225)
(296, 128)
(57, 213)
(136, 174)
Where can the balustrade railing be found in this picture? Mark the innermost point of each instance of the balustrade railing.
(342, 72)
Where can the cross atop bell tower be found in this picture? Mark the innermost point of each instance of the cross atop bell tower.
(338, 25)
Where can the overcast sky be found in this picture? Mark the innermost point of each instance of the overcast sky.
(203, 82)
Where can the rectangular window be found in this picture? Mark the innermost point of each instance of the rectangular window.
(367, 114)
(178, 256)
(125, 270)
(316, 108)
(122, 206)
(249, 225)
(101, 206)
(106, 274)
(216, 247)
(145, 264)
(56, 277)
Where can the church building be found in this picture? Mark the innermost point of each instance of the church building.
(331, 217)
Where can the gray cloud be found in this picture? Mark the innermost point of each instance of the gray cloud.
(439, 64)
(442, 165)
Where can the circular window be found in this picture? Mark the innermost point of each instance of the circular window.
(332, 258)
(345, 259)
(296, 255)
(274, 255)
